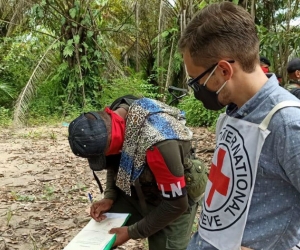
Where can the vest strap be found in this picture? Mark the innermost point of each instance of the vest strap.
(265, 123)
(98, 182)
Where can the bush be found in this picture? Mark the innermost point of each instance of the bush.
(196, 114)
(49, 103)
(133, 85)
(5, 117)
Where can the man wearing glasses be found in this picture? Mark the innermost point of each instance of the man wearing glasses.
(252, 197)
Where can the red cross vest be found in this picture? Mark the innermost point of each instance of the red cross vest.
(231, 179)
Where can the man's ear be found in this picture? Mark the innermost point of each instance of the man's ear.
(297, 73)
(225, 69)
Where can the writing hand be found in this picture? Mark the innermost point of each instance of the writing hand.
(121, 235)
(245, 248)
(100, 207)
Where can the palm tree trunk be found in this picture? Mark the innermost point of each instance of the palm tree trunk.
(170, 65)
(253, 9)
(137, 20)
(159, 63)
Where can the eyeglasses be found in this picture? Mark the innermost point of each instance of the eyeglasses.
(193, 82)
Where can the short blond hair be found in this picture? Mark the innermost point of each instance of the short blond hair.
(219, 31)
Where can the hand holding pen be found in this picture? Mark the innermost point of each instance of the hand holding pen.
(90, 197)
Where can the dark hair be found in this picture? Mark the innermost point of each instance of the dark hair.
(293, 65)
(222, 31)
(265, 60)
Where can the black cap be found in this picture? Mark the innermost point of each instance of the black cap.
(265, 60)
(293, 65)
(88, 139)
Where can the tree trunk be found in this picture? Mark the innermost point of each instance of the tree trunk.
(170, 66)
(159, 61)
(137, 20)
(252, 12)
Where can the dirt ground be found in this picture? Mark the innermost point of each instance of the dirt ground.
(44, 188)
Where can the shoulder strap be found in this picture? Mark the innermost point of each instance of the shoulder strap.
(265, 123)
(220, 122)
(127, 99)
(98, 182)
(295, 92)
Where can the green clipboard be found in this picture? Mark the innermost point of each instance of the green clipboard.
(112, 241)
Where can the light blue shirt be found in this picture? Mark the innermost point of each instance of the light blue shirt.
(273, 221)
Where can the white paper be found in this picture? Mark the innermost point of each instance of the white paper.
(95, 236)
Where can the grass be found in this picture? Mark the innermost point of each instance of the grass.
(48, 194)
(39, 134)
(33, 135)
(9, 215)
(53, 136)
(5, 117)
(78, 187)
(6, 120)
(22, 197)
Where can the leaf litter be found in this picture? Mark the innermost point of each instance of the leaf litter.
(44, 188)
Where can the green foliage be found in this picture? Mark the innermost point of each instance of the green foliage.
(47, 102)
(49, 105)
(168, 64)
(196, 114)
(48, 193)
(22, 197)
(81, 46)
(98, 41)
(134, 85)
(202, 4)
(278, 35)
(17, 58)
(5, 117)
(9, 215)
(6, 93)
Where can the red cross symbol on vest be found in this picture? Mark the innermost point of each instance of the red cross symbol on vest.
(220, 182)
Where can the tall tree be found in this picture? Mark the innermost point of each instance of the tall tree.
(13, 15)
(279, 37)
(82, 37)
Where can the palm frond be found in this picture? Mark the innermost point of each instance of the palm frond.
(113, 65)
(4, 4)
(13, 13)
(6, 89)
(17, 15)
(28, 91)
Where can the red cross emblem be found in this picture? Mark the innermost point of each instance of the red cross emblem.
(220, 182)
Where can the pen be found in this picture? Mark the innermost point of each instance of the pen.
(90, 197)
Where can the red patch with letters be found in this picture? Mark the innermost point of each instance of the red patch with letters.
(171, 186)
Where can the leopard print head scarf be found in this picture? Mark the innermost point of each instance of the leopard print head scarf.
(148, 122)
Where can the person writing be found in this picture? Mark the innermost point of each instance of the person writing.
(151, 171)
(264, 64)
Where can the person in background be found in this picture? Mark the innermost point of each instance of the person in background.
(252, 197)
(264, 64)
(151, 169)
(293, 69)
(279, 78)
